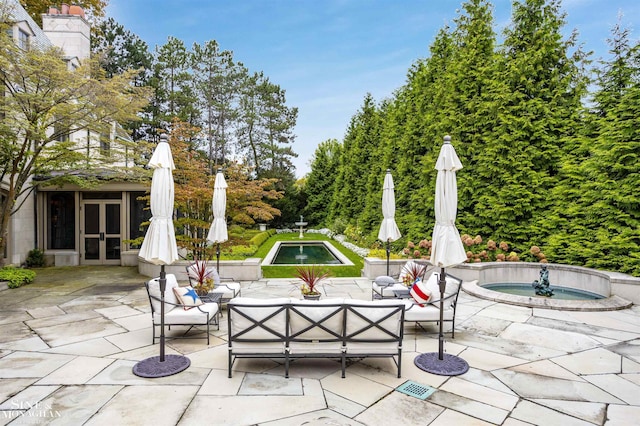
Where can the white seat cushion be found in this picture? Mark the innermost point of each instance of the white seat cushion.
(169, 296)
(417, 313)
(228, 290)
(191, 316)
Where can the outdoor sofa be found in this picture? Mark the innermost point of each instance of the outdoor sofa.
(288, 329)
(177, 313)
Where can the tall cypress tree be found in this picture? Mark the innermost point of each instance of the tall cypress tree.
(536, 115)
(360, 141)
(612, 171)
(320, 183)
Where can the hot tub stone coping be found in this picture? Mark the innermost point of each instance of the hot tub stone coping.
(612, 303)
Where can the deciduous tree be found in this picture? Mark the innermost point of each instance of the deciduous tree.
(43, 99)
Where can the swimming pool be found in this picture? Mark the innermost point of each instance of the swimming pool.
(305, 253)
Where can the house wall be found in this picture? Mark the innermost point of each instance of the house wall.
(22, 231)
(68, 29)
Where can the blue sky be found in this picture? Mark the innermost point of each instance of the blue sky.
(327, 54)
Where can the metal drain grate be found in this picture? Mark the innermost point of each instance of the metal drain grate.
(416, 390)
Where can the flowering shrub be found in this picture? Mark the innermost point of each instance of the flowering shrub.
(476, 251)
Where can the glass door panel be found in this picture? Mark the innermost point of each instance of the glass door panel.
(102, 232)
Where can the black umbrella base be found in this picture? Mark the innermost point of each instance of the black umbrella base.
(153, 367)
(449, 365)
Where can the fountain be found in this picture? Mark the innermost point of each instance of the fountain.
(575, 287)
(541, 286)
(301, 224)
(301, 257)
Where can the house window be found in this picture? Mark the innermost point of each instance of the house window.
(61, 132)
(61, 220)
(105, 146)
(139, 214)
(23, 40)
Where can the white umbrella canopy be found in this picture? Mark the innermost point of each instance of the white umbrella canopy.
(388, 229)
(218, 231)
(159, 245)
(447, 249)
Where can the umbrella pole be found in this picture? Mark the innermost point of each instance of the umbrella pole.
(388, 253)
(442, 283)
(218, 258)
(441, 363)
(161, 366)
(163, 287)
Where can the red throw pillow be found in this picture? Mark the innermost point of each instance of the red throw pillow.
(420, 293)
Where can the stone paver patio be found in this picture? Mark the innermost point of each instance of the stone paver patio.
(68, 343)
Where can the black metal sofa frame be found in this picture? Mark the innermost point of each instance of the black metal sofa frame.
(293, 329)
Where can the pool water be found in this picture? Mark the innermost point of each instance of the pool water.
(304, 254)
(524, 289)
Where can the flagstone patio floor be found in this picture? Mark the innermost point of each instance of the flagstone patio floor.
(69, 340)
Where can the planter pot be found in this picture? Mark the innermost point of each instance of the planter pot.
(312, 296)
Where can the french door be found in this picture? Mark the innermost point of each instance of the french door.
(101, 232)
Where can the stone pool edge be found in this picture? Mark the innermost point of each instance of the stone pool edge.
(612, 303)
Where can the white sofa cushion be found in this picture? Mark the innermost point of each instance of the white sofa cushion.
(303, 312)
(253, 311)
(169, 296)
(361, 312)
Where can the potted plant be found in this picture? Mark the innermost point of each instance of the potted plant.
(201, 276)
(311, 277)
(412, 272)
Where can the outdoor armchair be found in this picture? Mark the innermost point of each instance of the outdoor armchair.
(225, 286)
(430, 311)
(176, 313)
(385, 287)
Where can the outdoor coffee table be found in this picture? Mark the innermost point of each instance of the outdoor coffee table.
(402, 294)
(213, 298)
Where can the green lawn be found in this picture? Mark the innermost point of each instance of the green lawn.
(290, 271)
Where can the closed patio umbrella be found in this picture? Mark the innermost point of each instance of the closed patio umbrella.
(388, 229)
(218, 231)
(446, 250)
(159, 247)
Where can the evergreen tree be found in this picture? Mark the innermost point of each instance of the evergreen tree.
(610, 202)
(121, 50)
(361, 139)
(218, 80)
(537, 115)
(175, 84)
(320, 184)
